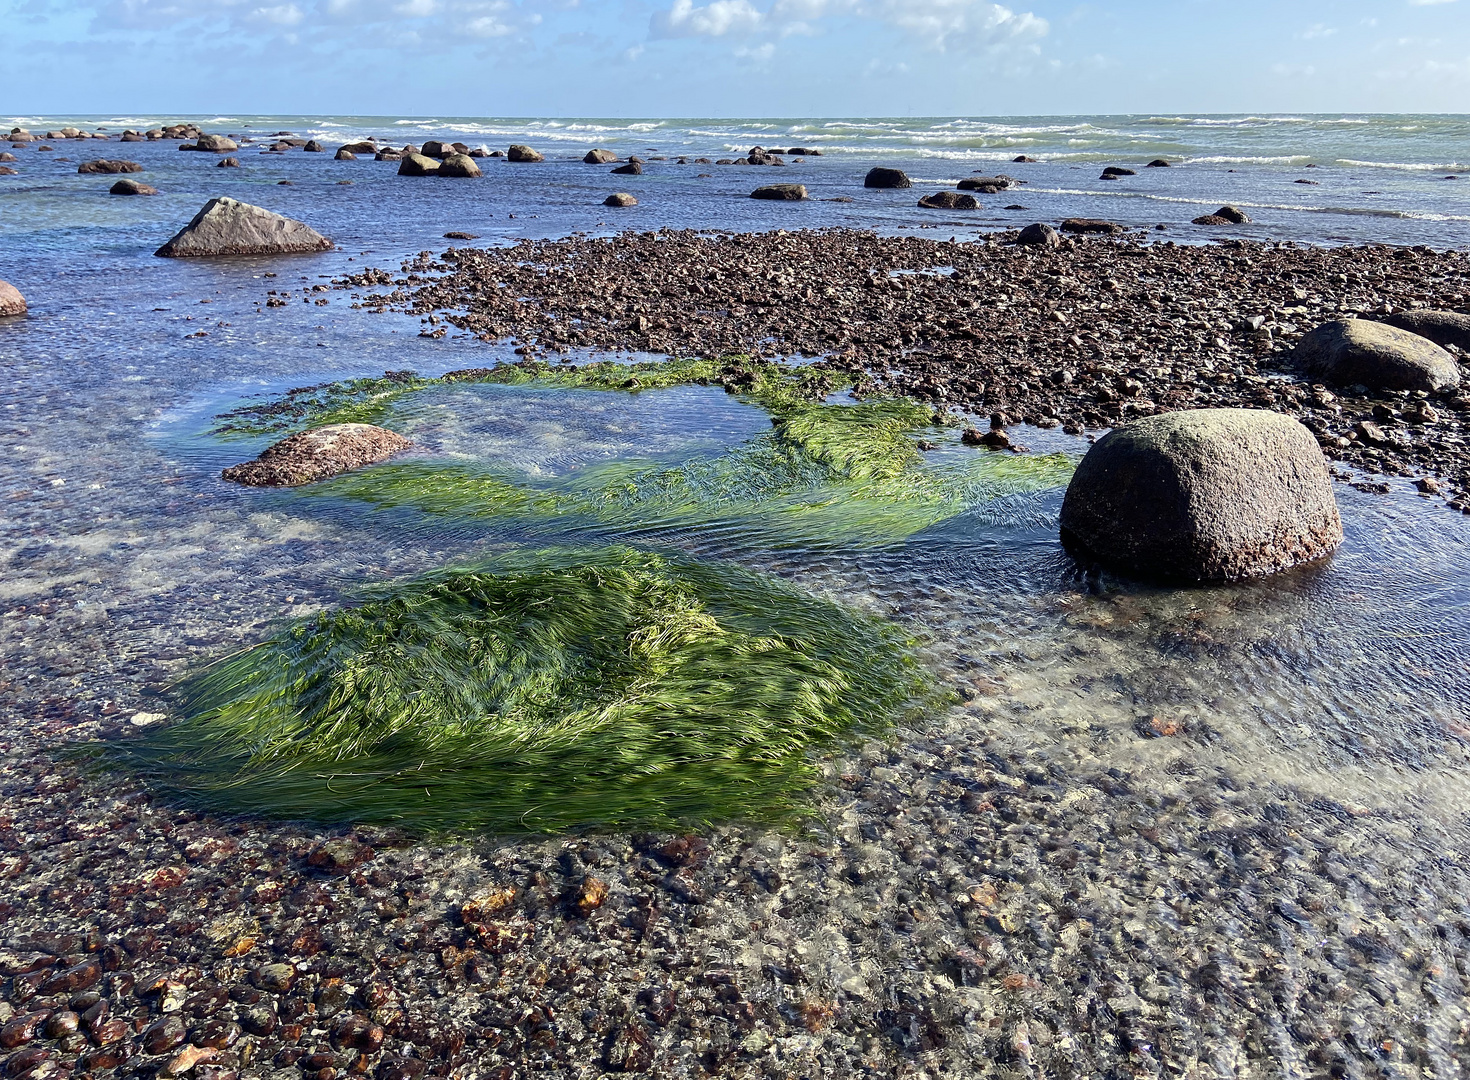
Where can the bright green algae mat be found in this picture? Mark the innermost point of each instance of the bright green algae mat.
(540, 691)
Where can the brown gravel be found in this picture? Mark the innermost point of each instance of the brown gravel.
(1086, 336)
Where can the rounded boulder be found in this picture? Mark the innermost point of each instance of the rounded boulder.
(780, 192)
(1203, 495)
(1040, 235)
(949, 200)
(1440, 327)
(622, 198)
(1350, 352)
(417, 165)
(520, 152)
(600, 157)
(11, 301)
(316, 454)
(131, 187)
(459, 165)
(886, 178)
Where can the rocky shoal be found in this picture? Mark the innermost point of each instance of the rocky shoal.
(1085, 336)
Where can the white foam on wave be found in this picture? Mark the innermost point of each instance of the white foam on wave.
(1406, 166)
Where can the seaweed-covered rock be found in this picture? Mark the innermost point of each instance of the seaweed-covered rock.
(1440, 327)
(1202, 495)
(886, 178)
(11, 301)
(519, 152)
(228, 227)
(131, 187)
(780, 192)
(417, 165)
(949, 200)
(1349, 352)
(600, 157)
(621, 198)
(461, 165)
(1039, 235)
(317, 454)
(102, 165)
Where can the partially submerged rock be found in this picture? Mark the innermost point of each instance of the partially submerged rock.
(102, 165)
(1226, 215)
(1202, 495)
(317, 454)
(1350, 352)
(344, 154)
(600, 157)
(1440, 327)
(417, 165)
(461, 165)
(886, 178)
(131, 187)
(228, 227)
(622, 198)
(949, 200)
(633, 168)
(518, 152)
(1157, 163)
(780, 192)
(11, 301)
(1092, 226)
(216, 143)
(985, 185)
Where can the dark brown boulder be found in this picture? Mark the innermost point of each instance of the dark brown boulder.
(518, 152)
(228, 227)
(11, 301)
(227, 163)
(780, 192)
(633, 168)
(435, 148)
(1022, 159)
(459, 165)
(131, 187)
(886, 178)
(317, 454)
(1091, 225)
(1039, 235)
(314, 147)
(1157, 163)
(6, 170)
(102, 165)
(986, 185)
(1211, 219)
(1113, 171)
(622, 198)
(360, 148)
(803, 151)
(600, 157)
(1202, 495)
(345, 154)
(1232, 215)
(949, 200)
(8, 156)
(1440, 327)
(216, 144)
(1355, 352)
(417, 165)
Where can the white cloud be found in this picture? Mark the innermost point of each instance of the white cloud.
(1317, 30)
(280, 15)
(1427, 3)
(945, 25)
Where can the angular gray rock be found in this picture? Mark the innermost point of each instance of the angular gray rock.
(886, 178)
(317, 454)
(1381, 357)
(1040, 235)
(518, 152)
(1440, 327)
(949, 200)
(1202, 495)
(227, 227)
(11, 301)
(780, 192)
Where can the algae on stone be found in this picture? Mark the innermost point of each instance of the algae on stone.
(536, 692)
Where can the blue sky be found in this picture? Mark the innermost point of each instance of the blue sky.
(732, 57)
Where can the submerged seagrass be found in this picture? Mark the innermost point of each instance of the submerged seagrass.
(536, 692)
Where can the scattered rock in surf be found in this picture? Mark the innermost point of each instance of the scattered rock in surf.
(600, 157)
(886, 178)
(1091, 226)
(993, 439)
(314, 147)
(461, 236)
(417, 165)
(1226, 215)
(1112, 172)
(1202, 495)
(228, 227)
(985, 185)
(435, 149)
(8, 156)
(633, 168)
(1040, 235)
(360, 148)
(102, 165)
(780, 192)
(459, 165)
(622, 198)
(11, 301)
(949, 200)
(216, 144)
(802, 151)
(227, 163)
(1352, 352)
(344, 154)
(6, 170)
(317, 454)
(1158, 163)
(131, 187)
(518, 152)
(1440, 327)
(1022, 159)
(388, 154)
(1211, 219)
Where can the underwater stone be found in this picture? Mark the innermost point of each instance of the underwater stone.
(317, 454)
(1381, 357)
(229, 227)
(1202, 495)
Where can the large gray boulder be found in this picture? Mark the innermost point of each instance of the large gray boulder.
(1349, 352)
(11, 301)
(417, 165)
(228, 227)
(216, 143)
(317, 454)
(1440, 327)
(1202, 495)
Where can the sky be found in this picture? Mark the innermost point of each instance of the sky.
(731, 58)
